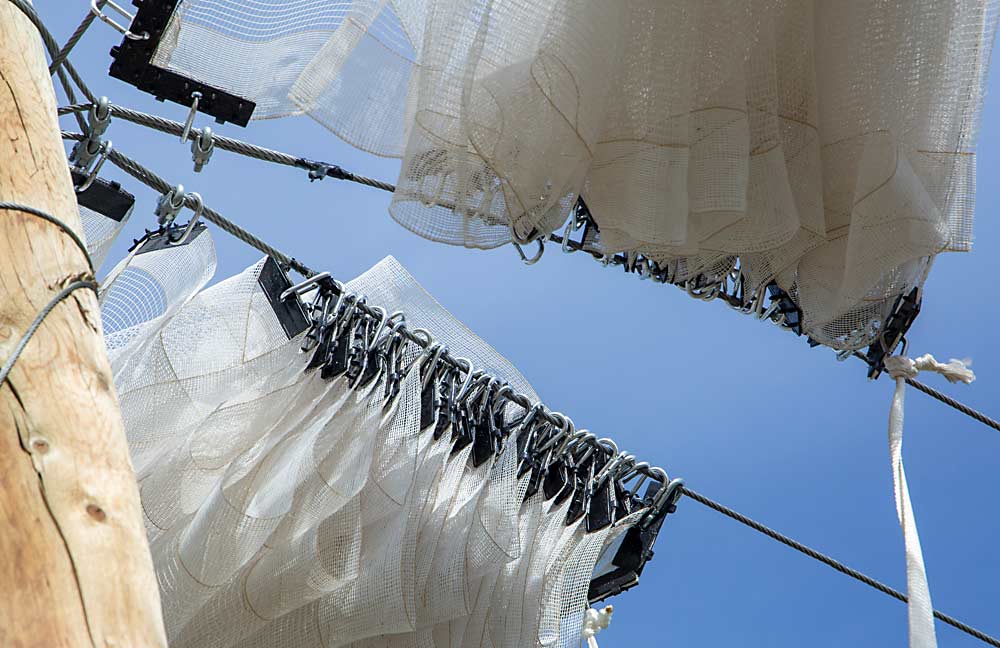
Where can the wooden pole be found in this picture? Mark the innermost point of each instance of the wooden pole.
(75, 568)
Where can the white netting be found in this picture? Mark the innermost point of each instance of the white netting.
(99, 233)
(287, 510)
(829, 145)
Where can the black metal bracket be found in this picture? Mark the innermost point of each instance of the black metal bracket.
(161, 239)
(904, 312)
(133, 65)
(274, 281)
(104, 197)
(634, 552)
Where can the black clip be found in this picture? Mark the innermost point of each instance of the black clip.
(274, 282)
(636, 548)
(894, 329)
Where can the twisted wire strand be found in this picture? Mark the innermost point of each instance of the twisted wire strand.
(232, 145)
(830, 562)
(67, 230)
(53, 49)
(152, 180)
(951, 402)
(71, 42)
(8, 364)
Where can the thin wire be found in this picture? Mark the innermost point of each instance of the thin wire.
(830, 562)
(88, 20)
(8, 364)
(27, 209)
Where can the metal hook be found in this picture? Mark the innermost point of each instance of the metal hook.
(94, 9)
(434, 352)
(199, 206)
(304, 286)
(202, 147)
(383, 321)
(196, 97)
(105, 151)
(467, 365)
(533, 260)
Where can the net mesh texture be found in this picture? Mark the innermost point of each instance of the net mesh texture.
(287, 510)
(827, 145)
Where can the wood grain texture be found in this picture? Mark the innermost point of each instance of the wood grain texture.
(75, 568)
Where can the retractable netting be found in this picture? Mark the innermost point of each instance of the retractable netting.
(824, 146)
(342, 485)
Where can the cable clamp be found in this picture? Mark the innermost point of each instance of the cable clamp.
(98, 119)
(202, 147)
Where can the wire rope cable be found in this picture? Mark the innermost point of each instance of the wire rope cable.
(830, 562)
(27, 209)
(73, 286)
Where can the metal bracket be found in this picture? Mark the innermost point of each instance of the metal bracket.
(104, 197)
(274, 282)
(133, 65)
(904, 312)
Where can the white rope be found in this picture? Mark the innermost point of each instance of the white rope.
(593, 622)
(921, 611)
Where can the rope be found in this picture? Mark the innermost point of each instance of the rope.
(58, 59)
(830, 562)
(8, 364)
(158, 184)
(12, 206)
(155, 122)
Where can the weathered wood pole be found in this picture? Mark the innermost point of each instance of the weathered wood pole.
(75, 568)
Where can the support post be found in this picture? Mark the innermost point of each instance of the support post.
(75, 568)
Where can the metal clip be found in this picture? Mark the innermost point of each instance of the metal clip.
(195, 98)
(202, 147)
(538, 255)
(199, 207)
(105, 151)
(94, 9)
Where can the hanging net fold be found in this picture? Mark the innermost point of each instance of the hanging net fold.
(830, 147)
(287, 506)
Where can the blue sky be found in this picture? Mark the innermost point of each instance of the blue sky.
(746, 413)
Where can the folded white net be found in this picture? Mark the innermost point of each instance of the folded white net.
(288, 510)
(828, 145)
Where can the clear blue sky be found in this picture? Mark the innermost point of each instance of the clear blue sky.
(748, 414)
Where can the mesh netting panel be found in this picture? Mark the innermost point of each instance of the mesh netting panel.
(288, 510)
(829, 145)
(142, 293)
(99, 233)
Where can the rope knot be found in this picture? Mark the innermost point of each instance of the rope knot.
(954, 370)
(594, 621)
